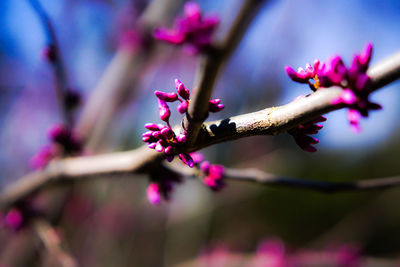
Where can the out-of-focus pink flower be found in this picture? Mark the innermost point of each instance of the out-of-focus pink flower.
(192, 29)
(302, 132)
(214, 175)
(154, 193)
(270, 253)
(217, 256)
(43, 157)
(348, 256)
(14, 219)
(197, 157)
(63, 142)
(162, 185)
(132, 40)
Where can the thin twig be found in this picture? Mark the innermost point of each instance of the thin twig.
(210, 66)
(269, 121)
(253, 175)
(269, 179)
(51, 241)
(60, 73)
(276, 120)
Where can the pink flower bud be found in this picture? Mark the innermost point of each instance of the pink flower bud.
(168, 150)
(163, 110)
(181, 138)
(182, 91)
(159, 147)
(215, 101)
(169, 158)
(182, 107)
(153, 194)
(151, 126)
(192, 10)
(197, 157)
(156, 134)
(216, 171)
(167, 133)
(187, 159)
(204, 166)
(167, 97)
(215, 107)
(365, 55)
(14, 219)
(348, 97)
(152, 145)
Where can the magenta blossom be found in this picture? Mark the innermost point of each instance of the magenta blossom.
(214, 175)
(302, 132)
(13, 219)
(354, 80)
(270, 252)
(192, 29)
(162, 138)
(162, 185)
(349, 256)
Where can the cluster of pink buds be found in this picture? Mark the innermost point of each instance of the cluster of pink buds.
(162, 138)
(193, 29)
(162, 185)
(214, 173)
(63, 142)
(302, 132)
(354, 80)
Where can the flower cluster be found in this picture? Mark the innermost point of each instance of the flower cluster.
(354, 80)
(162, 138)
(193, 29)
(302, 132)
(214, 173)
(162, 185)
(63, 142)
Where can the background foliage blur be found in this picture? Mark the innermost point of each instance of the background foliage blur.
(109, 222)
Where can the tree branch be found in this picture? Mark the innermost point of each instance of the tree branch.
(60, 73)
(257, 176)
(269, 121)
(275, 120)
(52, 243)
(210, 66)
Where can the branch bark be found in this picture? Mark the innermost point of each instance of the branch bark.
(257, 176)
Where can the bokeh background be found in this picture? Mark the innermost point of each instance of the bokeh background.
(108, 222)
